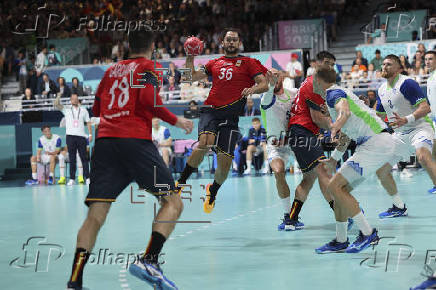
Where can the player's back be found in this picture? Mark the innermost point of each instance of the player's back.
(126, 98)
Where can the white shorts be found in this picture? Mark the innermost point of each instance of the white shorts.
(278, 152)
(416, 138)
(45, 158)
(169, 150)
(371, 156)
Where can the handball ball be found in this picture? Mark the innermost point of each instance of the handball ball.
(193, 46)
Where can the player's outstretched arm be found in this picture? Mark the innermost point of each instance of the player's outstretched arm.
(261, 86)
(195, 75)
(184, 124)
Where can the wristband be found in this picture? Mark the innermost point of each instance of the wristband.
(410, 118)
(337, 155)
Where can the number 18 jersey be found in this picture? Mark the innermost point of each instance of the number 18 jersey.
(128, 98)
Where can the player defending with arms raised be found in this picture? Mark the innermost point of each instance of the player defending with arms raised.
(430, 63)
(124, 153)
(379, 150)
(406, 107)
(275, 108)
(234, 77)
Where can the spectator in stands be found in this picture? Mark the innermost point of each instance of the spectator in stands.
(193, 111)
(256, 143)
(379, 35)
(363, 61)
(418, 57)
(49, 146)
(28, 103)
(311, 69)
(421, 48)
(250, 110)
(170, 87)
(40, 64)
(364, 99)
(63, 90)
(372, 98)
(362, 67)
(76, 87)
(21, 71)
(371, 71)
(174, 73)
(294, 73)
(161, 137)
(416, 70)
(377, 60)
(172, 49)
(405, 63)
(48, 87)
(53, 57)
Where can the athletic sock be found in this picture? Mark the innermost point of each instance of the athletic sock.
(80, 171)
(248, 165)
(154, 247)
(266, 164)
(34, 176)
(332, 204)
(62, 171)
(80, 259)
(186, 173)
(286, 202)
(398, 202)
(213, 190)
(362, 224)
(296, 208)
(341, 232)
(51, 174)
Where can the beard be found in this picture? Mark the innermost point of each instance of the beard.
(386, 75)
(230, 49)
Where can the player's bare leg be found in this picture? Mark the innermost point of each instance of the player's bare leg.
(301, 193)
(433, 153)
(249, 157)
(34, 179)
(387, 180)
(224, 163)
(166, 156)
(265, 169)
(278, 167)
(425, 159)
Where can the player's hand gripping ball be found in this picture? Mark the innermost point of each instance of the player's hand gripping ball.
(193, 46)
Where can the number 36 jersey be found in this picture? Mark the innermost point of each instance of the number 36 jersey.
(230, 76)
(128, 98)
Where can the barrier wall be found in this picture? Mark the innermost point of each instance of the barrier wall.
(7, 148)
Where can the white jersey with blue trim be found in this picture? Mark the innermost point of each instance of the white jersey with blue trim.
(275, 110)
(403, 99)
(363, 121)
(49, 145)
(160, 135)
(431, 92)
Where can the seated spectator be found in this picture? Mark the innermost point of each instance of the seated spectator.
(28, 103)
(377, 60)
(362, 67)
(416, 71)
(311, 69)
(63, 90)
(162, 139)
(76, 87)
(418, 57)
(193, 112)
(356, 73)
(363, 61)
(170, 87)
(372, 98)
(256, 143)
(49, 146)
(249, 108)
(53, 57)
(371, 71)
(174, 73)
(421, 48)
(404, 62)
(48, 87)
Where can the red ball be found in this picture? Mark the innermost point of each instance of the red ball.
(193, 46)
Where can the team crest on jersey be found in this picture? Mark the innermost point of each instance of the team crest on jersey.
(239, 62)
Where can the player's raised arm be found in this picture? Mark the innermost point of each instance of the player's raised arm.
(272, 78)
(195, 75)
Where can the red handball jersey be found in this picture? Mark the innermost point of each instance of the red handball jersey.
(230, 76)
(300, 113)
(126, 111)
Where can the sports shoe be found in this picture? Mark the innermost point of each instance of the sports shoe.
(265, 170)
(406, 173)
(73, 286)
(247, 171)
(50, 180)
(333, 247)
(394, 212)
(152, 274)
(32, 182)
(294, 225)
(207, 207)
(80, 179)
(362, 242)
(70, 182)
(433, 190)
(286, 223)
(430, 283)
(88, 181)
(62, 180)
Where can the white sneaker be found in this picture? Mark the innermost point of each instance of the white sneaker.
(71, 182)
(265, 170)
(88, 181)
(247, 171)
(406, 173)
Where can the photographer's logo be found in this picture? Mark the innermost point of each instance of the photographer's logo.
(38, 254)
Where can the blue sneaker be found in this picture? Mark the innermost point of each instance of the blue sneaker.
(32, 182)
(290, 225)
(152, 274)
(430, 283)
(433, 190)
(286, 220)
(394, 212)
(362, 242)
(333, 247)
(50, 180)
(351, 221)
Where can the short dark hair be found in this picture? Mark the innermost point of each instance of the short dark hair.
(394, 58)
(377, 51)
(140, 41)
(75, 78)
(238, 31)
(430, 52)
(325, 54)
(327, 74)
(52, 46)
(255, 119)
(44, 127)
(193, 103)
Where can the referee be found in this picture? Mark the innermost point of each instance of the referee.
(75, 119)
